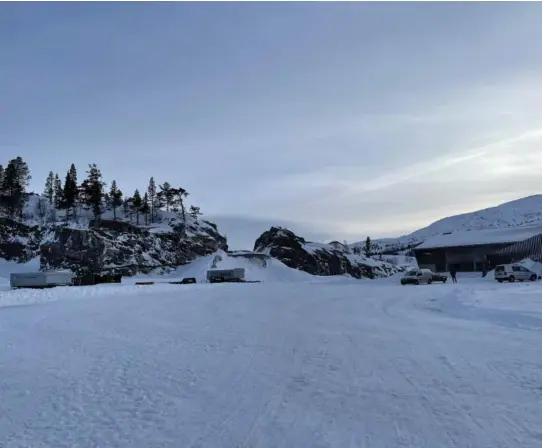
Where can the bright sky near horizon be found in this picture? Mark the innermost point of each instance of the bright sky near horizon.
(338, 120)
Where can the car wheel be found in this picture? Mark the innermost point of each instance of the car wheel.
(416, 282)
(511, 279)
(403, 283)
(533, 278)
(429, 281)
(445, 280)
(500, 280)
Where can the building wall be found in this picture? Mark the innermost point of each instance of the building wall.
(462, 259)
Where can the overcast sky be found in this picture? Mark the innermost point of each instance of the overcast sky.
(339, 120)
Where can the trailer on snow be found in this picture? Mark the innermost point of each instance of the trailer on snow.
(226, 275)
(45, 279)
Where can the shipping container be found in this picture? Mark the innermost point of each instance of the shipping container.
(226, 275)
(44, 279)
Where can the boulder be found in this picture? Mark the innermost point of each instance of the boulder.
(318, 258)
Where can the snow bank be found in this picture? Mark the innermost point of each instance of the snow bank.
(274, 270)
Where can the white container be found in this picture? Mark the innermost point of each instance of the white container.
(41, 279)
(226, 274)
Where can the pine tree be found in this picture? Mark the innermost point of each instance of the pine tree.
(94, 190)
(194, 212)
(151, 195)
(49, 191)
(15, 182)
(58, 192)
(136, 205)
(9, 189)
(115, 198)
(146, 208)
(1, 179)
(74, 190)
(70, 193)
(368, 247)
(180, 194)
(166, 195)
(126, 204)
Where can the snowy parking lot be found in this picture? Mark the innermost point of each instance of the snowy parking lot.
(329, 364)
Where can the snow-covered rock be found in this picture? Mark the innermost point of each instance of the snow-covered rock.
(319, 258)
(107, 245)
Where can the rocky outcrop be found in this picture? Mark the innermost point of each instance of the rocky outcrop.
(18, 242)
(319, 259)
(109, 246)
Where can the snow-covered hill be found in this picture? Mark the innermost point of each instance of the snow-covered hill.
(83, 245)
(520, 212)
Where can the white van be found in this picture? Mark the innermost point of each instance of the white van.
(417, 276)
(513, 272)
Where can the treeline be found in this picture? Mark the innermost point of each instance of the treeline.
(92, 193)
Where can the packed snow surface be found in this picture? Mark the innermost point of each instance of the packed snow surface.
(337, 364)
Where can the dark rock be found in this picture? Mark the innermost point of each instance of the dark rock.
(18, 242)
(319, 259)
(108, 247)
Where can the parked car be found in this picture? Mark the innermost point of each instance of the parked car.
(513, 272)
(417, 276)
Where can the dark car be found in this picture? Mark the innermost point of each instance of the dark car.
(440, 277)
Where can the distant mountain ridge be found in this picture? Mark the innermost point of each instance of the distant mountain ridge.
(515, 213)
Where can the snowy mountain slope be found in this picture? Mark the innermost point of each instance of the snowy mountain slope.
(519, 212)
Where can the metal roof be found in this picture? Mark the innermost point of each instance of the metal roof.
(481, 237)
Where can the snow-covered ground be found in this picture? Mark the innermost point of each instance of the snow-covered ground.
(330, 364)
(269, 271)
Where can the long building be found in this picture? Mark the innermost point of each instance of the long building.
(474, 250)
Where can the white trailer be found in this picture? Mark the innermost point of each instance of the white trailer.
(226, 275)
(46, 279)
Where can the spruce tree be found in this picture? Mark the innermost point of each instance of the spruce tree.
(146, 208)
(151, 198)
(136, 204)
(15, 182)
(9, 189)
(368, 247)
(74, 190)
(1, 179)
(70, 193)
(94, 190)
(126, 205)
(115, 198)
(58, 192)
(49, 190)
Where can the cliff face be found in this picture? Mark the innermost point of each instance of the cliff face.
(108, 245)
(320, 259)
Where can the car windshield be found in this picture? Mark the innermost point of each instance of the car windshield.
(499, 268)
(412, 272)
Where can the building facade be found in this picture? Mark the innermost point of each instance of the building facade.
(476, 250)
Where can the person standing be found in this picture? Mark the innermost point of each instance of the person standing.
(453, 274)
